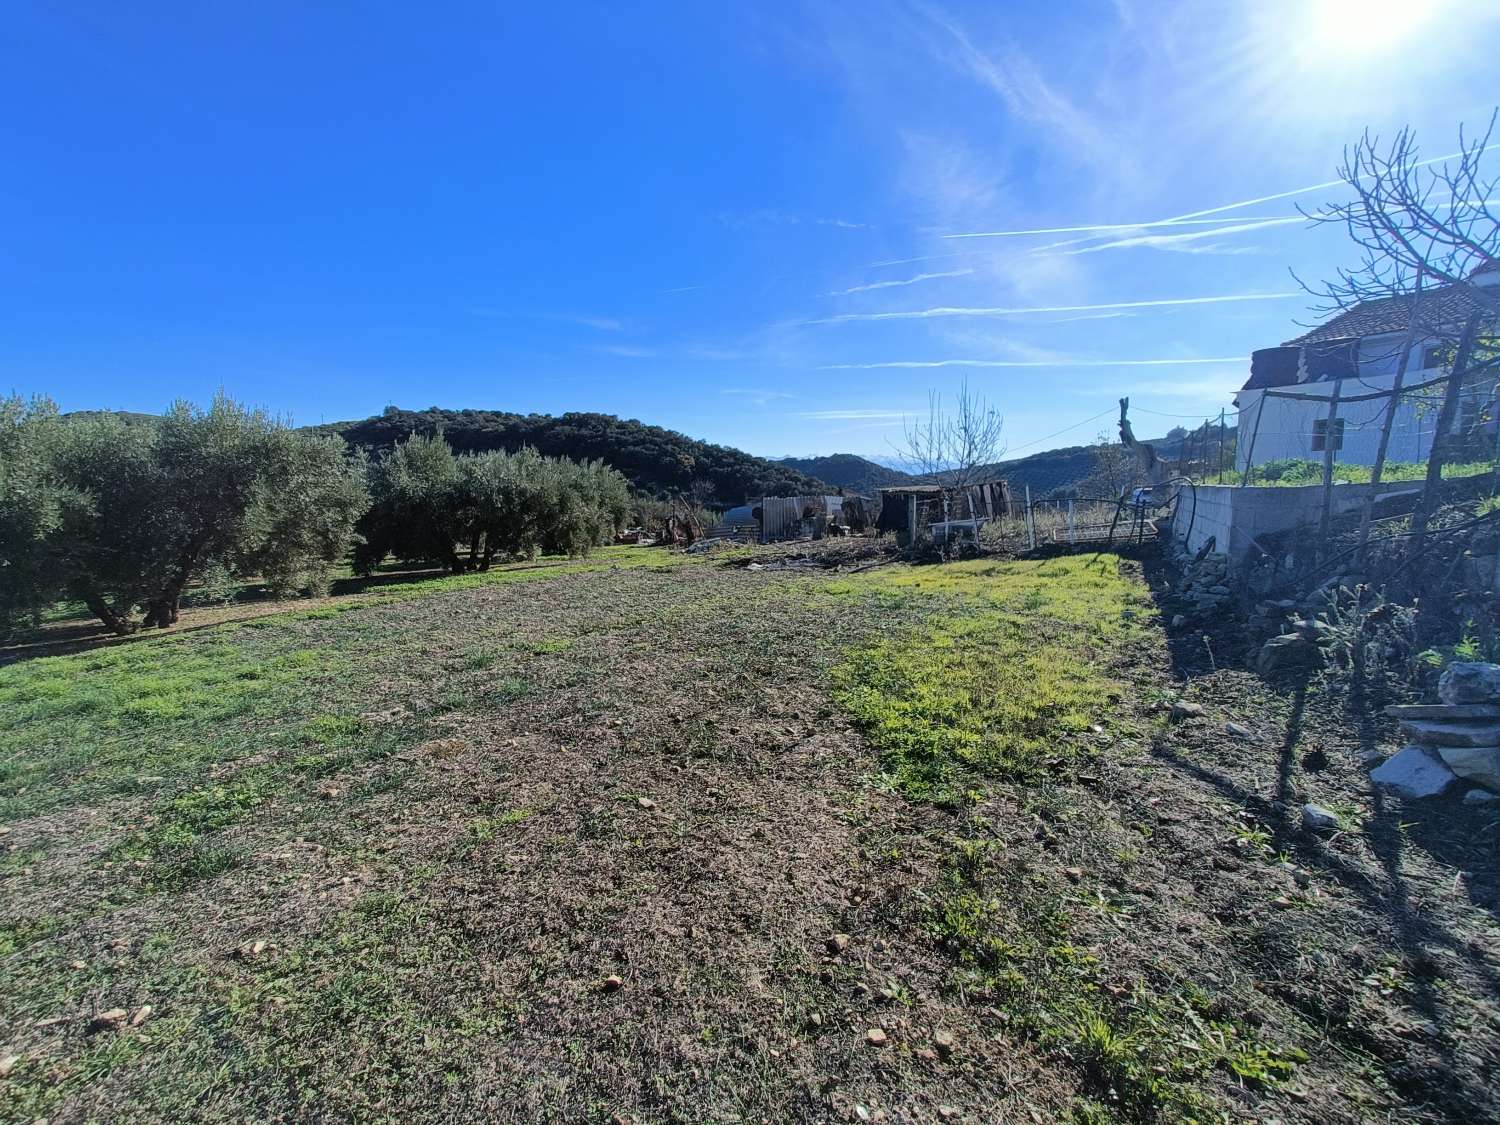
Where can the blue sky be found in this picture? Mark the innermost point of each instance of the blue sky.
(753, 223)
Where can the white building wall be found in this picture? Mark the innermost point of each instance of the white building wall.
(1283, 427)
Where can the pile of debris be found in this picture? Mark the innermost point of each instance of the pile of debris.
(1458, 738)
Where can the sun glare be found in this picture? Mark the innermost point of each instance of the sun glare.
(1367, 26)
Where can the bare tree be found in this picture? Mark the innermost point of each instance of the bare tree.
(1419, 225)
(1114, 469)
(956, 448)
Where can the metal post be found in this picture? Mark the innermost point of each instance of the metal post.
(1072, 539)
(1030, 520)
(1221, 445)
(1250, 453)
(1330, 426)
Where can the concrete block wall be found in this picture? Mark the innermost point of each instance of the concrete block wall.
(1234, 516)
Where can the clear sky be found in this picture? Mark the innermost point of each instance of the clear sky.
(749, 222)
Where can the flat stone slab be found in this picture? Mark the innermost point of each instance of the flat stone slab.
(1414, 773)
(1429, 732)
(1457, 712)
(1474, 763)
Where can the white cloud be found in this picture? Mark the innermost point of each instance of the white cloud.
(852, 415)
(901, 282)
(1101, 228)
(757, 395)
(1060, 361)
(598, 323)
(1180, 242)
(1026, 94)
(927, 314)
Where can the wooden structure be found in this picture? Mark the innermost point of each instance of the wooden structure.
(911, 509)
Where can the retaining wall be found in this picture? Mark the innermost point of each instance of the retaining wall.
(1235, 516)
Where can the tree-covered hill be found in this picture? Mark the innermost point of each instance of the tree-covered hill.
(653, 459)
(848, 471)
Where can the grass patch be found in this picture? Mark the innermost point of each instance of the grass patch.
(74, 729)
(1010, 664)
(1143, 1051)
(1291, 472)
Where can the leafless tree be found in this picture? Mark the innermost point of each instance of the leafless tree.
(1420, 225)
(957, 448)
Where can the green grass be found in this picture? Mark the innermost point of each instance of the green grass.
(1292, 472)
(1010, 664)
(74, 729)
(1144, 1051)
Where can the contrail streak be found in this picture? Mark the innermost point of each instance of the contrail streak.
(927, 314)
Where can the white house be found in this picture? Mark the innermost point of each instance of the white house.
(1360, 350)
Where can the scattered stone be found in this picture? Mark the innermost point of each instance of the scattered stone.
(837, 943)
(1431, 733)
(142, 1014)
(926, 1054)
(1413, 774)
(948, 1112)
(945, 1042)
(876, 1037)
(1480, 797)
(612, 984)
(1287, 653)
(1074, 874)
(8, 1064)
(80, 964)
(1178, 621)
(1315, 818)
(1475, 682)
(106, 1021)
(1474, 763)
(1237, 730)
(1182, 710)
(1371, 758)
(646, 803)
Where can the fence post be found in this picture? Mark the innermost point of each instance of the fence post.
(1221, 445)
(1329, 434)
(1072, 539)
(1030, 521)
(1250, 453)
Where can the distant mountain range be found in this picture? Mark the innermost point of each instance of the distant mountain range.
(848, 471)
(1051, 473)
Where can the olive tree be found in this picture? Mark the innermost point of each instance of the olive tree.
(150, 505)
(31, 509)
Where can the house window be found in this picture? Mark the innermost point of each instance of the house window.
(1435, 355)
(1321, 441)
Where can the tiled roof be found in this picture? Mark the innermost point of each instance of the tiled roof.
(1445, 307)
(1440, 308)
